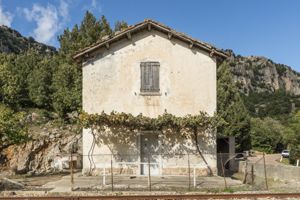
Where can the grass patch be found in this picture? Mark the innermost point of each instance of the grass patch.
(285, 161)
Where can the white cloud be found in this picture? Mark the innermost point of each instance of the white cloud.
(49, 20)
(93, 6)
(64, 9)
(94, 3)
(6, 18)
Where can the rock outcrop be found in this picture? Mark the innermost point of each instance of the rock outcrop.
(259, 74)
(41, 154)
(11, 41)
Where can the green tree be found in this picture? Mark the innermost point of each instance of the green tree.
(13, 129)
(293, 140)
(51, 81)
(39, 83)
(69, 43)
(120, 25)
(67, 87)
(66, 83)
(14, 73)
(231, 108)
(105, 27)
(273, 104)
(10, 84)
(268, 135)
(23, 66)
(90, 30)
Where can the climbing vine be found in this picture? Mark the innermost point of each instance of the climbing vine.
(202, 121)
(189, 126)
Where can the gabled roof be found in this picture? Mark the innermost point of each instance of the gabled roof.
(149, 24)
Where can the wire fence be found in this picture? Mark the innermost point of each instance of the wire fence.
(187, 172)
(142, 172)
(249, 169)
(264, 172)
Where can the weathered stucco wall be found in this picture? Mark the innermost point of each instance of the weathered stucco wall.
(187, 78)
(111, 82)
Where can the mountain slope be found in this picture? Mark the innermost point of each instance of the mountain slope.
(11, 41)
(259, 74)
(268, 89)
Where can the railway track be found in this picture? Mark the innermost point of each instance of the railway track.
(166, 197)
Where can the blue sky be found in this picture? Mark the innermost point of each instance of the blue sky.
(269, 28)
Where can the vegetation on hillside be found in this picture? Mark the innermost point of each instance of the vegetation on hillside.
(12, 127)
(266, 121)
(31, 79)
(279, 104)
(11, 41)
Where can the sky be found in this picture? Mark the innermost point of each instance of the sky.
(269, 28)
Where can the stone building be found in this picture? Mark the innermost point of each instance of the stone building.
(149, 68)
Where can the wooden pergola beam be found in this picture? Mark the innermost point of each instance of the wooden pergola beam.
(212, 53)
(191, 45)
(128, 36)
(149, 27)
(107, 45)
(170, 35)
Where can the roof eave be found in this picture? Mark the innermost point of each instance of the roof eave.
(210, 49)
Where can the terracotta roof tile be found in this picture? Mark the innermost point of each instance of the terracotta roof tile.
(156, 25)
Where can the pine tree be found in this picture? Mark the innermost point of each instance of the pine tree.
(90, 30)
(105, 27)
(39, 83)
(67, 89)
(120, 25)
(231, 108)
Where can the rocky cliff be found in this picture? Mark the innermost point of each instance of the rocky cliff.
(47, 151)
(259, 74)
(11, 41)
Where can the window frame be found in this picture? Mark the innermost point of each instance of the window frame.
(153, 77)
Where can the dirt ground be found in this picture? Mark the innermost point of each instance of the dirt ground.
(62, 183)
(37, 181)
(271, 159)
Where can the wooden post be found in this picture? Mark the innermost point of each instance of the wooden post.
(245, 173)
(104, 176)
(223, 171)
(252, 175)
(71, 168)
(195, 184)
(112, 173)
(149, 173)
(189, 171)
(265, 170)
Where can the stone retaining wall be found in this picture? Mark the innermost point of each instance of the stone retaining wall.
(275, 172)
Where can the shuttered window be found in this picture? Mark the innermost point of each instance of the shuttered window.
(149, 76)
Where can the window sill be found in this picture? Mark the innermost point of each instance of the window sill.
(150, 94)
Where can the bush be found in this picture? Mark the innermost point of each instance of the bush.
(13, 129)
(267, 135)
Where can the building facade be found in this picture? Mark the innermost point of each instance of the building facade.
(149, 68)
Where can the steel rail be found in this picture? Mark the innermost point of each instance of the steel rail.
(164, 197)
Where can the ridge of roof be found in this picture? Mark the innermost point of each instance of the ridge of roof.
(159, 26)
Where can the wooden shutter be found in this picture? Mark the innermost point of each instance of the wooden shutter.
(155, 76)
(144, 77)
(149, 77)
